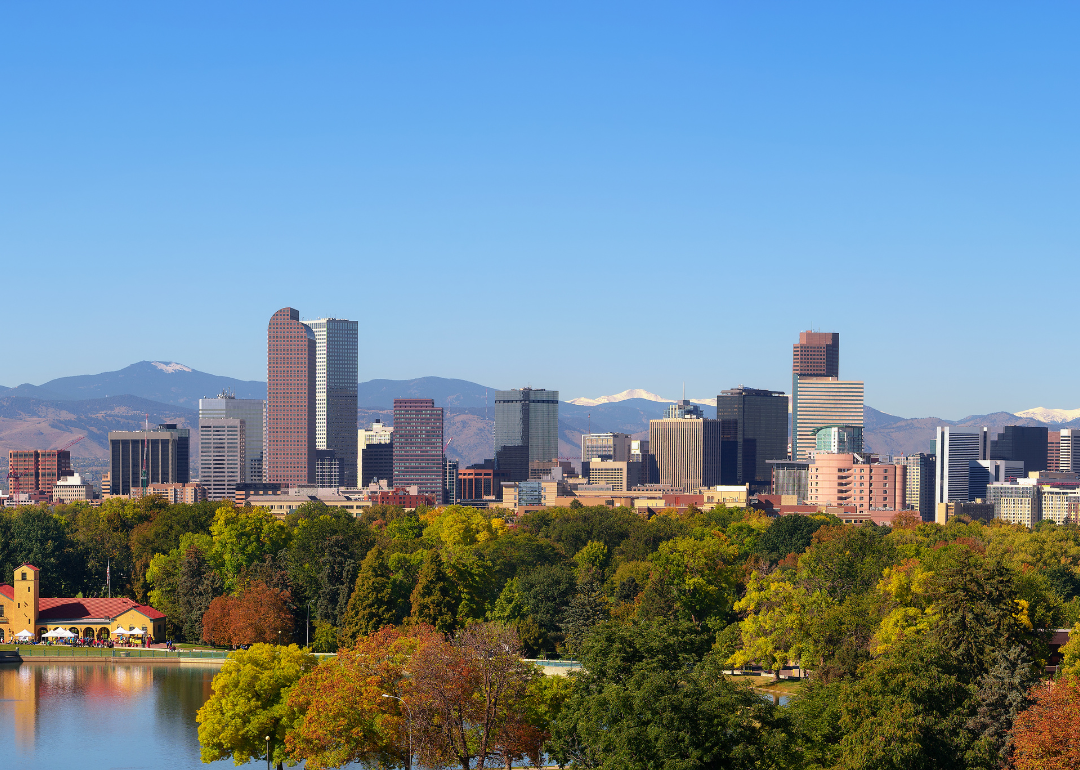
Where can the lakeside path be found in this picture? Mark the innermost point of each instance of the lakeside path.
(37, 653)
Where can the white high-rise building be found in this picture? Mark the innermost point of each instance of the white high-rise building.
(955, 449)
(221, 456)
(335, 390)
(1069, 451)
(253, 413)
(376, 447)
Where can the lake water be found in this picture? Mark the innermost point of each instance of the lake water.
(103, 716)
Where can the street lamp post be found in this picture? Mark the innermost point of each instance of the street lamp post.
(268, 752)
(408, 759)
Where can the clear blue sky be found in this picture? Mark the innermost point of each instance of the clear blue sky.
(589, 197)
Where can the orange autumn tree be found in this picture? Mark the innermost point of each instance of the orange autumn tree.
(344, 717)
(466, 702)
(257, 613)
(1046, 735)
(470, 697)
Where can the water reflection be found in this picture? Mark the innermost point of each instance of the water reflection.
(103, 715)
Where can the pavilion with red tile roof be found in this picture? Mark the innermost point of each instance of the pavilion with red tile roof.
(22, 609)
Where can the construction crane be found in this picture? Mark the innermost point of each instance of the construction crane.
(70, 444)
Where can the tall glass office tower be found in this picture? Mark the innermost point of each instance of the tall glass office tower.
(335, 391)
(226, 406)
(526, 429)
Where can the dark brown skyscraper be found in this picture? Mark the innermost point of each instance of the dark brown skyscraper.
(418, 445)
(290, 400)
(816, 354)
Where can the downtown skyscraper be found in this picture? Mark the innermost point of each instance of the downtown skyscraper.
(753, 430)
(819, 398)
(526, 429)
(290, 400)
(418, 446)
(335, 392)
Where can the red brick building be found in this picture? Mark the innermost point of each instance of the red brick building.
(290, 400)
(403, 497)
(36, 471)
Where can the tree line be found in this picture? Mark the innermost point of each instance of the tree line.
(935, 636)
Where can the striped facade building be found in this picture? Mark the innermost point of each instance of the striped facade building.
(817, 402)
(687, 452)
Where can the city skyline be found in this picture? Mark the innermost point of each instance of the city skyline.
(736, 142)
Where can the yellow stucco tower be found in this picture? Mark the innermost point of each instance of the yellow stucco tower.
(24, 613)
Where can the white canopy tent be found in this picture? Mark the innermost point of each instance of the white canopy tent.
(58, 633)
(121, 631)
(135, 632)
(24, 634)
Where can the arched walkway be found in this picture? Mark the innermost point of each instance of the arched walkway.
(103, 635)
(88, 634)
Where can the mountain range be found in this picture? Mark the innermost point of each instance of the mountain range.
(49, 415)
(164, 382)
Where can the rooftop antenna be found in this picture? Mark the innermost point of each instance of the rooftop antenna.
(684, 390)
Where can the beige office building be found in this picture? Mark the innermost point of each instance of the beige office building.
(1015, 502)
(687, 452)
(1061, 506)
(72, 489)
(622, 476)
(817, 402)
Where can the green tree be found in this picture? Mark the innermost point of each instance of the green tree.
(435, 599)
(243, 537)
(586, 610)
(788, 534)
(41, 538)
(338, 568)
(1070, 653)
(699, 576)
(651, 698)
(591, 562)
(978, 609)
(326, 547)
(907, 711)
(778, 627)
(1004, 691)
(182, 585)
(546, 591)
(371, 605)
(162, 533)
(250, 702)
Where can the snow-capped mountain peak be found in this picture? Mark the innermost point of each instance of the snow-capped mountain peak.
(171, 367)
(626, 394)
(1043, 414)
(634, 393)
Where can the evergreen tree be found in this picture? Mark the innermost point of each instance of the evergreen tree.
(371, 605)
(588, 608)
(435, 599)
(337, 575)
(1003, 693)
